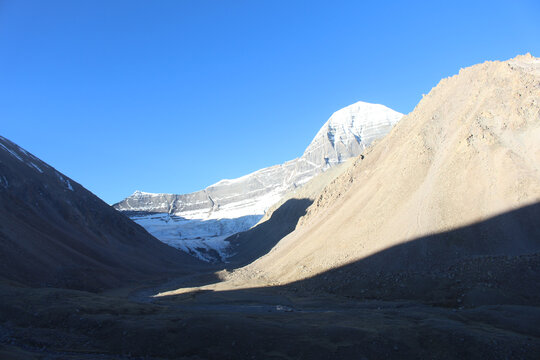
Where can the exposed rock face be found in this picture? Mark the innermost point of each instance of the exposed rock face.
(200, 221)
(453, 190)
(54, 232)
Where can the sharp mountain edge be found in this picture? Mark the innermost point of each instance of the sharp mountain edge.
(199, 222)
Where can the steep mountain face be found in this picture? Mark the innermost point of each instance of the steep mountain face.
(199, 222)
(53, 232)
(452, 192)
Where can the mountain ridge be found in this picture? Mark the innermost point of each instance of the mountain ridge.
(54, 232)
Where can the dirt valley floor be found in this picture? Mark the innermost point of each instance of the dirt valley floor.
(259, 323)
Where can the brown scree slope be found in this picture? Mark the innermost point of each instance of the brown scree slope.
(469, 151)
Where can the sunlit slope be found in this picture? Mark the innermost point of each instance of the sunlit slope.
(470, 150)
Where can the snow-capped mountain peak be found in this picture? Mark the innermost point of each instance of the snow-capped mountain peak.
(350, 130)
(199, 222)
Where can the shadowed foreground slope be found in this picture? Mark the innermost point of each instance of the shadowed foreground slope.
(54, 232)
(484, 306)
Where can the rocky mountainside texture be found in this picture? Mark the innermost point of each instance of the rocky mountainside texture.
(199, 222)
(452, 192)
(280, 219)
(54, 232)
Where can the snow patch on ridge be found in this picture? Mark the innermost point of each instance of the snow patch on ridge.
(19, 153)
(66, 182)
(13, 153)
(36, 167)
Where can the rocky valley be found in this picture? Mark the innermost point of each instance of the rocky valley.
(386, 239)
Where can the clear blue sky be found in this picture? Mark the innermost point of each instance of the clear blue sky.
(172, 96)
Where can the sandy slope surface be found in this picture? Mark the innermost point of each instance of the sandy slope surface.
(468, 152)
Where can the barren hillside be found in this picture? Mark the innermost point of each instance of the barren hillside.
(469, 151)
(54, 232)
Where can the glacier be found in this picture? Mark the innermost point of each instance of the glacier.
(200, 222)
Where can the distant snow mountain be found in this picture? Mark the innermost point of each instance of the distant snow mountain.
(199, 222)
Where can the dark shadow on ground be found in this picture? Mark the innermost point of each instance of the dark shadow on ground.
(468, 293)
(249, 245)
(495, 261)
